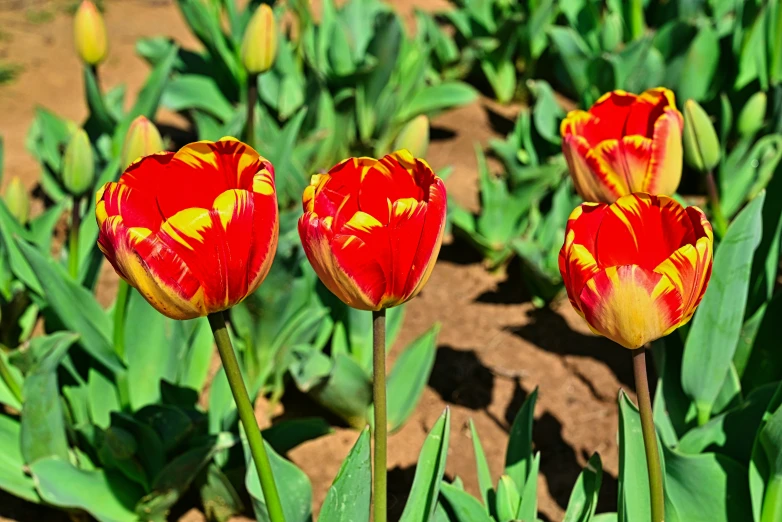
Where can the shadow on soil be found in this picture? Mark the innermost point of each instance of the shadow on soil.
(549, 330)
(460, 378)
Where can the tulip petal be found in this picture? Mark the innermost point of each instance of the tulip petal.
(431, 240)
(404, 231)
(156, 271)
(689, 268)
(636, 153)
(592, 176)
(576, 257)
(649, 106)
(137, 208)
(665, 164)
(642, 229)
(630, 305)
(626, 160)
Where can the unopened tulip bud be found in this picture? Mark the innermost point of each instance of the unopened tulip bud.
(17, 200)
(259, 46)
(414, 136)
(78, 172)
(701, 145)
(752, 115)
(141, 140)
(89, 33)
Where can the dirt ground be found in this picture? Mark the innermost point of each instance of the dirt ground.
(494, 346)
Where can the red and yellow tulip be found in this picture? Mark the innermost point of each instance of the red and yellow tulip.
(625, 143)
(193, 231)
(372, 228)
(637, 269)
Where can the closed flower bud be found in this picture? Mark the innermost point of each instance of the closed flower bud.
(414, 137)
(78, 173)
(259, 46)
(752, 115)
(17, 200)
(89, 33)
(701, 145)
(141, 140)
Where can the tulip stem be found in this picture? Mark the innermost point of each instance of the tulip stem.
(120, 310)
(252, 98)
(636, 19)
(720, 223)
(73, 252)
(650, 435)
(381, 421)
(94, 69)
(247, 416)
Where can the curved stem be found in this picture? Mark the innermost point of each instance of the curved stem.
(650, 436)
(247, 416)
(252, 99)
(120, 308)
(73, 252)
(381, 420)
(772, 501)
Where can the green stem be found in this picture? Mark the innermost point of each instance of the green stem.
(247, 416)
(120, 310)
(636, 19)
(703, 413)
(9, 380)
(720, 223)
(772, 501)
(252, 99)
(73, 253)
(381, 421)
(650, 436)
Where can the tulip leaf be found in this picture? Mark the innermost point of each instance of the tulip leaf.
(760, 465)
(700, 65)
(348, 497)
(528, 508)
(9, 231)
(43, 423)
(292, 484)
(190, 91)
(409, 376)
(75, 307)
(482, 466)
(99, 113)
(633, 495)
(435, 98)
(583, 499)
(198, 357)
(106, 495)
(13, 479)
(519, 458)
(464, 506)
(347, 392)
(103, 398)
(219, 497)
(716, 328)
(508, 499)
(429, 473)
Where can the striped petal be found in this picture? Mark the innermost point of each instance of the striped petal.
(630, 305)
(137, 207)
(576, 258)
(592, 176)
(642, 229)
(665, 164)
(648, 107)
(431, 239)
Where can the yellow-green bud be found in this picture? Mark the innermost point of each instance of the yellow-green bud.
(414, 136)
(701, 145)
(259, 46)
(17, 200)
(78, 173)
(752, 115)
(89, 33)
(141, 140)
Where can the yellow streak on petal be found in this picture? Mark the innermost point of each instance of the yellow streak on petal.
(571, 122)
(188, 224)
(100, 212)
(229, 204)
(363, 221)
(405, 207)
(263, 184)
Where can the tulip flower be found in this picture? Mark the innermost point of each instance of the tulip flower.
(637, 269)
(195, 232)
(372, 230)
(17, 200)
(89, 34)
(625, 143)
(142, 139)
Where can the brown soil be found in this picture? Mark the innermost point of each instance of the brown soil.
(494, 346)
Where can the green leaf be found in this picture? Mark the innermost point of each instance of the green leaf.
(190, 91)
(518, 458)
(292, 484)
(347, 392)
(508, 499)
(633, 501)
(715, 330)
(99, 113)
(700, 65)
(760, 463)
(464, 506)
(286, 435)
(528, 508)
(9, 231)
(198, 358)
(436, 98)
(482, 466)
(43, 423)
(220, 499)
(150, 94)
(583, 499)
(13, 479)
(429, 473)
(409, 376)
(348, 497)
(105, 495)
(103, 398)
